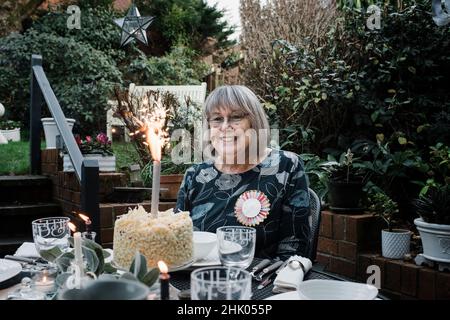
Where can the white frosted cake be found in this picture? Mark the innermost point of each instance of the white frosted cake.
(167, 237)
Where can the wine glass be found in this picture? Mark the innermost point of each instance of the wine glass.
(51, 232)
(236, 245)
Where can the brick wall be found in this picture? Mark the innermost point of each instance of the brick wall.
(349, 243)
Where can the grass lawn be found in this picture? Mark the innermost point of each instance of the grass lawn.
(14, 157)
(125, 154)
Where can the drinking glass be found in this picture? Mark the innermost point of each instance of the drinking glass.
(236, 246)
(51, 232)
(221, 283)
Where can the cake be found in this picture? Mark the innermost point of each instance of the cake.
(167, 237)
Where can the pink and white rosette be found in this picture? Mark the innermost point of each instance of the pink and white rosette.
(251, 208)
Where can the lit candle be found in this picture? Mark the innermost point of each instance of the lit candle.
(44, 283)
(88, 233)
(72, 227)
(164, 278)
(78, 251)
(87, 222)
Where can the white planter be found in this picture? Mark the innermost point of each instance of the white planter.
(105, 163)
(51, 131)
(11, 135)
(435, 240)
(395, 244)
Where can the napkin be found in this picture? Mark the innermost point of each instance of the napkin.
(28, 250)
(290, 277)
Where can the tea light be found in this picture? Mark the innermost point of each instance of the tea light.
(45, 282)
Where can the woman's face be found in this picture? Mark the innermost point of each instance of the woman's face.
(227, 133)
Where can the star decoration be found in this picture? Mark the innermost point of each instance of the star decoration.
(134, 26)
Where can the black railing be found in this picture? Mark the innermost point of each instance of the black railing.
(85, 170)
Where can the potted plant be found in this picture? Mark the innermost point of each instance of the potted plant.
(434, 223)
(10, 130)
(345, 182)
(98, 148)
(51, 131)
(395, 243)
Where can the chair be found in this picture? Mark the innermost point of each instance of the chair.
(197, 93)
(314, 223)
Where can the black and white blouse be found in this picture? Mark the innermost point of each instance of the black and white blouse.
(278, 183)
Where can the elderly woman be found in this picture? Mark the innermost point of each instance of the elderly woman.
(245, 182)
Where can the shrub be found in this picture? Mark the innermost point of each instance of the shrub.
(81, 76)
(9, 124)
(97, 29)
(178, 67)
(188, 20)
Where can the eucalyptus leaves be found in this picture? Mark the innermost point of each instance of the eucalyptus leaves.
(94, 257)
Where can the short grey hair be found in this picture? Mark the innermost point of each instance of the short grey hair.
(239, 98)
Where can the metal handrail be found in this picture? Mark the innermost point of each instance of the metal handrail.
(86, 170)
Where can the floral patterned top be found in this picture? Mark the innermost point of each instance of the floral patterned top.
(272, 197)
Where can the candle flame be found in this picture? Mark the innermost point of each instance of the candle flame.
(162, 267)
(85, 218)
(72, 227)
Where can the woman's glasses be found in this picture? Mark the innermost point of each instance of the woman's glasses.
(233, 119)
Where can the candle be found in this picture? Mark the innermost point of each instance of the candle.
(164, 278)
(78, 251)
(155, 137)
(45, 283)
(88, 233)
(72, 227)
(155, 187)
(87, 222)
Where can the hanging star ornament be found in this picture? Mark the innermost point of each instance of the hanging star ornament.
(134, 26)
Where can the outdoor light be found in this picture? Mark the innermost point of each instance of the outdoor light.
(134, 26)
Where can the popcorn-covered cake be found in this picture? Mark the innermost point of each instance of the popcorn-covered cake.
(167, 237)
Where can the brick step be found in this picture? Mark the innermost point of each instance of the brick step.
(10, 245)
(25, 189)
(16, 219)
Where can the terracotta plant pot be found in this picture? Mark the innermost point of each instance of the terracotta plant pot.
(172, 182)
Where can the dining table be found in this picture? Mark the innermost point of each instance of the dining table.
(180, 283)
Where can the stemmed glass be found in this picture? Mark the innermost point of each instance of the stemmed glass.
(236, 246)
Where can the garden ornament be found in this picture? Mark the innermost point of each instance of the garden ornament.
(134, 26)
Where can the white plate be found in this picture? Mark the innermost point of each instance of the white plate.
(318, 289)
(9, 269)
(212, 259)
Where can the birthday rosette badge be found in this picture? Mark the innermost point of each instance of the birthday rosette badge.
(252, 207)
